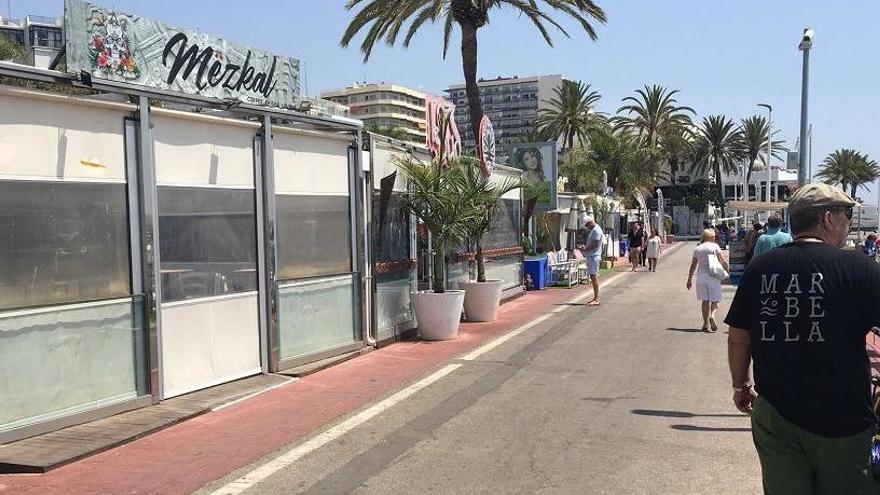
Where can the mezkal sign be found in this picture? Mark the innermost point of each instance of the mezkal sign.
(113, 45)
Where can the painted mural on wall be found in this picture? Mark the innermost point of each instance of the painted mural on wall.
(122, 47)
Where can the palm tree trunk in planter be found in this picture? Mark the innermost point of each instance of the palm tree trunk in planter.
(439, 269)
(469, 65)
(481, 263)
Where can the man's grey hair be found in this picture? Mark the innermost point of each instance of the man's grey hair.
(589, 219)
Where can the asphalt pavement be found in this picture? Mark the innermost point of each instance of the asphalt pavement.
(626, 398)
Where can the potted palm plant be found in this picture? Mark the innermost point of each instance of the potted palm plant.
(482, 296)
(439, 197)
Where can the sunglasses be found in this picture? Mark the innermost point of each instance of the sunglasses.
(847, 210)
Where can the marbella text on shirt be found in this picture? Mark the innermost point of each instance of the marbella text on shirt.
(776, 303)
(216, 73)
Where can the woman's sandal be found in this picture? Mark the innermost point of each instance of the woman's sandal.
(705, 329)
(714, 325)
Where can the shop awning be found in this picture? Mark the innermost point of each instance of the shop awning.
(757, 205)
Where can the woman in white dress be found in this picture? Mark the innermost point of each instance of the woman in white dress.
(708, 287)
(653, 250)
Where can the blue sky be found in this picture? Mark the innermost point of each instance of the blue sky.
(724, 56)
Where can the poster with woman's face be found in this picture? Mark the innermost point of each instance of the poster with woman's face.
(538, 161)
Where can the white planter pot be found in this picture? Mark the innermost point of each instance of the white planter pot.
(438, 315)
(482, 299)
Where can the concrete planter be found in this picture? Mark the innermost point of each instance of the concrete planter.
(481, 299)
(438, 315)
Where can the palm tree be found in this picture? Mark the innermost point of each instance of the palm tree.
(384, 19)
(620, 155)
(676, 148)
(12, 52)
(393, 132)
(756, 132)
(652, 112)
(570, 113)
(868, 172)
(487, 196)
(849, 168)
(719, 144)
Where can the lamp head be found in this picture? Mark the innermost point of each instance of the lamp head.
(807, 40)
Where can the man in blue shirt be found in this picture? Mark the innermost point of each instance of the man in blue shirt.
(593, 254)
(773, 238)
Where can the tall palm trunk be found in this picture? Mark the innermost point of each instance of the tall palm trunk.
(469, 65)
(752, 160)
(719, 184)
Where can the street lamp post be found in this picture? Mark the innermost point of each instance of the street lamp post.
(769, 146)
(810, 155)
(805, 46)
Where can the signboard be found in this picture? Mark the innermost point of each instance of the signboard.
(113, 45)
(486, 146)
(442, 133)
(538, 160)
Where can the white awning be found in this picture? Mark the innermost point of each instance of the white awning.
(757, 205)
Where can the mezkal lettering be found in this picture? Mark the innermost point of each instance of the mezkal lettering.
(216, 73)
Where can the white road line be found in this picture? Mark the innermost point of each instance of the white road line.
(250, 396)
(266, 470)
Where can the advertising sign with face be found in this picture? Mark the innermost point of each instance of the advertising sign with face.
(538, 161)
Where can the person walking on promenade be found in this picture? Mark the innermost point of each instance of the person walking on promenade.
(774, 237)
(802, 313)
(636, 238)
(751, 240)
(653, 250)
(593, 254)
(645, 237)
(708, 287)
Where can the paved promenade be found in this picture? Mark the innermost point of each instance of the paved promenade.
(625, 398)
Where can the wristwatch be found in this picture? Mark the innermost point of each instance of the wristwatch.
(743, 388)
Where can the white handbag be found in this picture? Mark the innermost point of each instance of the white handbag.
(715, 268)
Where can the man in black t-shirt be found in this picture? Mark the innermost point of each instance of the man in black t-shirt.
(802, 313)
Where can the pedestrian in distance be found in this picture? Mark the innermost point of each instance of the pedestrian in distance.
(636, 238)
(773, 237)
(645, 237)
(801, 315)
(593, 254)
(752, 239)
(653, 250)
(708, 287)
(870, 248)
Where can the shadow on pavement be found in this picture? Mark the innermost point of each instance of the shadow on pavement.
(682, 414)
(709, 428)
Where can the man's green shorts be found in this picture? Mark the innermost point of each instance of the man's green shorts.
(797, 462)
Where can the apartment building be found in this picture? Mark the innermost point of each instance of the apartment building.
(386, 105)
(42, 37)
(511, 103)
